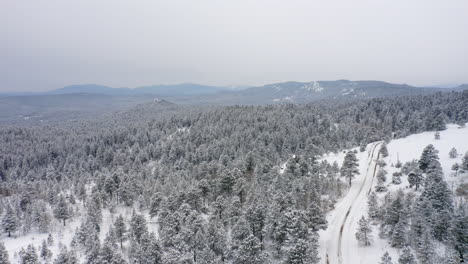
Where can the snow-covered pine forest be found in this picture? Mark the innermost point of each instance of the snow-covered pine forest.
(163, 183)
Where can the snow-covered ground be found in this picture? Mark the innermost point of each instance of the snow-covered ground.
(338, 243)
(63, 235)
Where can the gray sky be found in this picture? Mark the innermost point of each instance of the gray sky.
(49, 44)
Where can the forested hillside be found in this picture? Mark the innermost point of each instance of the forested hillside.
(203, 184)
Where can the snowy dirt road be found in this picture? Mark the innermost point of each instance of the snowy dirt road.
(338, 242)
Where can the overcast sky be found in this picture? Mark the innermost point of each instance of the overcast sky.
(45, 45)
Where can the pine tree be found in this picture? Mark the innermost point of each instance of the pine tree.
(29, 256)
(364, 232)
(425, 249)
(398, 238)
(152, 252)
(250, 252)
(50, 240)
(373, 205)
(45, 252)
(384, 150)
(10, 221)
(455, 167)
(62, 210)
(316, 218)
(453, 153)
(4, 254)
(300, 253)
(459, 232)
(350, 166)
(66, 257)
(120, 230)
(138, 226)
(464, 164)
(386, 259)
(428, 155)
(406, 256)
(415, 178)
(108, 255)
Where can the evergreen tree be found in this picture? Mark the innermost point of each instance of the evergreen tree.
(384, 150)
(415, 178)
(373, 205)
(50, 240)
(350, 166)
(45, 252)
(108, 254)
(4, 254)
(29, 255)
(398, 238)
(453, 153)
(151, 250)
(428, 155)
(250, 252)
(456, 167)
(425, 249)
(464, 164)
(406, 256)
(364, 232)
(62, 210)
(138, 226)
(10, 222)
(120, 230)
(66, 257)
(386, 259)
(459, 232)
(301, 253)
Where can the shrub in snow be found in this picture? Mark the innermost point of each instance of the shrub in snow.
(386, 259)
(396, 179)
(453, 153)
(382, 175)
(380, 187)
(398, 164)
(409, 167)
(381, 163)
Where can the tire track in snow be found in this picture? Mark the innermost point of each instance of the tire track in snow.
(344, 222)
(340, 255)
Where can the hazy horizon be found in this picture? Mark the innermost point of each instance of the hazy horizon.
(52, 44)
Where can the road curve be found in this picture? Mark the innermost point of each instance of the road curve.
(348, 210)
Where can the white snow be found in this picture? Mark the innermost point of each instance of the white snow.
(355, 201)
(313, 86)
(337, 243)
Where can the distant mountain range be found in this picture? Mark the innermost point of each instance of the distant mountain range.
(299, 92)
(185, 89)
(295, 92)
(79, 101)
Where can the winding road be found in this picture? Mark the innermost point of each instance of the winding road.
(339, 238)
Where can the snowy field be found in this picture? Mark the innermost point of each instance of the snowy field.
(354, 204)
